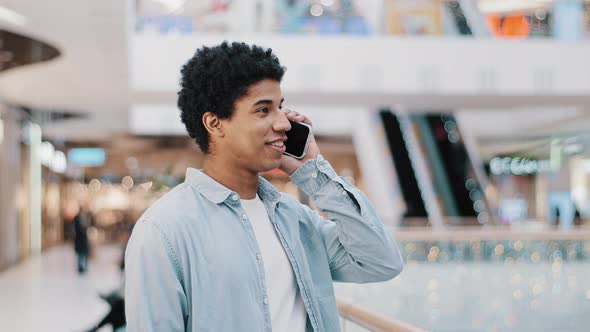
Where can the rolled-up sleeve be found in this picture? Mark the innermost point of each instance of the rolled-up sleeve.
(358, 247)
(154, 297)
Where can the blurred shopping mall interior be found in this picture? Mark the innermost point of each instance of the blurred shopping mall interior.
(466, 122)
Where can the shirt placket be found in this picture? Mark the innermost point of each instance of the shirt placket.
(253, 244)
(300, 282)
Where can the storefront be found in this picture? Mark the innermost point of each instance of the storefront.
(539, 191)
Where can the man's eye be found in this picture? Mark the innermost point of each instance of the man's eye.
(262, 110)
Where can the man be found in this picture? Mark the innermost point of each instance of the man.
(82, 221)
(224, 251)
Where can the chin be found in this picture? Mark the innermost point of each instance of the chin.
(269, 166)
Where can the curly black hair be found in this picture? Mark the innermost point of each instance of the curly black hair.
(215, 77)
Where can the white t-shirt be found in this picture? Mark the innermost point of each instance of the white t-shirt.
(287, 312)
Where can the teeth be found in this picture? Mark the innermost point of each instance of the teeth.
(277, 144)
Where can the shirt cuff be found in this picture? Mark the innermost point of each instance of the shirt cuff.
(313, 174)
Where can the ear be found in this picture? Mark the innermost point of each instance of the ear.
(213, 124)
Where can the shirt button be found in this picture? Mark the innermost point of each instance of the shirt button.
(258, 256)
(265, 300)
(234, 197)
(244, 216)
(344, 193)
(314, 175)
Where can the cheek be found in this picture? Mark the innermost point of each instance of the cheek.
(256, 135)
(249, 141)
(249, 137)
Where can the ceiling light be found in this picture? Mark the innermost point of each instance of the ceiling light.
(59, 163)
(316, 10)
(172, 5)
(94, 185)
(511, 6)
(127, 182)
(46, 153)
(12, 17)
(146, 186)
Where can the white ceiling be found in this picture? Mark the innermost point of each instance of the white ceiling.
(524, 130)
(91, 76)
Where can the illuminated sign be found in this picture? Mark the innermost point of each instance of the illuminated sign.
(86, 157)
(519, 166)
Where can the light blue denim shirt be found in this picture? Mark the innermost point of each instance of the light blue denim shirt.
(193, 262)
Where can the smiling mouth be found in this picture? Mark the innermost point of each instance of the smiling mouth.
(278, 146)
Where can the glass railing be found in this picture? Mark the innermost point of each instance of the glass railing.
(497, 245)
(543, 19)
(501, 251)
(484, 280)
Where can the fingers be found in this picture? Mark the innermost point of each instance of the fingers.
(297, 117)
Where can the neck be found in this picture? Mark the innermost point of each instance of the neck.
(238, 179)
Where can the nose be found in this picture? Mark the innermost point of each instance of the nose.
(281, 123)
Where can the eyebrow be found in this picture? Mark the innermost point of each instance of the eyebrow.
(266, 101)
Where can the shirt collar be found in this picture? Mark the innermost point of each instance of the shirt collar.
(218, 193)
(267, 192)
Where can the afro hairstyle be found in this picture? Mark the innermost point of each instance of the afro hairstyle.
(215, 77)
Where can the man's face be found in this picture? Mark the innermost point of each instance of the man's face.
(255, 133)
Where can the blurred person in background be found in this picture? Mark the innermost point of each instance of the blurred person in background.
(225, 251)
(82, 221)
(561, 209)
(116, 301)
(115, 317)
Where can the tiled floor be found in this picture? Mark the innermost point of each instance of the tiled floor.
(46, 293)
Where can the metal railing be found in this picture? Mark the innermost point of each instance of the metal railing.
(371, 321)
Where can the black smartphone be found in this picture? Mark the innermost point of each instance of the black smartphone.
(297, 139)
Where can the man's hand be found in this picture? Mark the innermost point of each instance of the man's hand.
(290, 164)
